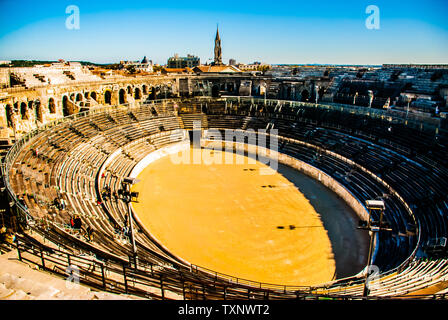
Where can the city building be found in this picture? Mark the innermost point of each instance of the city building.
(256, 66)
(140, 66)
(176, 62)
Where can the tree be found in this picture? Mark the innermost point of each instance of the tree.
(157, 68)
(131, 69)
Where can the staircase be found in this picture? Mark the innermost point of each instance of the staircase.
(188, 119)
(246, 122)
(69, 75)
(40, 78)
(181, 123)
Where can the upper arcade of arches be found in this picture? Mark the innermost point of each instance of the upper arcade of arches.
(82, 96)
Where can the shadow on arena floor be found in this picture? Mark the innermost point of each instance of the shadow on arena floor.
(350, 245)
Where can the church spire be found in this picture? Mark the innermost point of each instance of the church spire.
(218, 54)
(217, 33)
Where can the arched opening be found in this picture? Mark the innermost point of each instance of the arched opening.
(93, 95)
(65, 109)
(51, 106)
(107, 97)
(321, 92)
(78, 97)
(38, 111)
(215, 91)
(152, 93)
(130, 90)
(86, 95)
(305, 95)
(137, 94)
(9, 113)
(165, 91)
(145, 89)
(23, 111)
(121, 96)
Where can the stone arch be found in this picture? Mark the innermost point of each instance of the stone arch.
(145, 89)
(93, 95)
(65, 106)
(152, 93)
(215, 90)
(23, 111)
(288, 92)
(137, 94)
(86, 95)
(121, 96)
(321, 92)
(9, 113)
(51, 106)
(305, 95)
(263, 87)
(130, 90)
(78, 97)
(38, 111)
(107, 97)
(165, 91)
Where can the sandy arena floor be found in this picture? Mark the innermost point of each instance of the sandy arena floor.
(231, 219)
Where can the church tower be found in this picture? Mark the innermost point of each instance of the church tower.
(218, 54)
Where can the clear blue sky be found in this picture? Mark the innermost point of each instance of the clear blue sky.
(284, 31)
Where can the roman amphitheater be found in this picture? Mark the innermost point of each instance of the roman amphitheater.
(84, 152)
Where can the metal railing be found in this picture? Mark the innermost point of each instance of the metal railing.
(153, 282)
(104, 275)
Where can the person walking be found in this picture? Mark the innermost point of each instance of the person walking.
(90, 232)
(77, 222)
